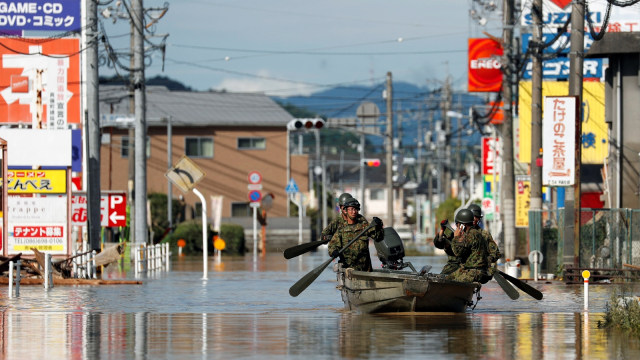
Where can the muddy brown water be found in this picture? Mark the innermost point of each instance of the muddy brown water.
(243, 310)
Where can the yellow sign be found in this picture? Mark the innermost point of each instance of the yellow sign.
(185, 175)
(37, 181)
(523, 197)
(595, 143)
(586, 274)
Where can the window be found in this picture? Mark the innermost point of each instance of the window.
(198, 210)
(199, 147)
(240, 209)
(124, 147)
(252, 143)
(377, 194)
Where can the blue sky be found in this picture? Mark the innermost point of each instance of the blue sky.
(287, 47)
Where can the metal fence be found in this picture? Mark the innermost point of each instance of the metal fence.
(609, 238)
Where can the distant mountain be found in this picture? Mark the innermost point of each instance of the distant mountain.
(414, 107)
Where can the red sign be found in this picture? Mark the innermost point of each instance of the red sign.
(490, 153)
(113, 209)
(485, 74)
(561, 3)
(255, 196)
(50, 68)
(19, 84)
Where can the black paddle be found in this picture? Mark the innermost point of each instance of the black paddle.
(530, 290)
(303, 248)
(508, 289)
(306, 280)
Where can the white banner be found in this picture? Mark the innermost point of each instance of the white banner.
(216, 212)
(558, 141)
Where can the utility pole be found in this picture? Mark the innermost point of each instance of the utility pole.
(93, 126)
(132, 143)
(536, 111)
(446, 106)
(141, 235)
(576, 54)
(389, 148)
(508, 191)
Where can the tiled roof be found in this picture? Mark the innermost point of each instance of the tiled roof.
(196, 108)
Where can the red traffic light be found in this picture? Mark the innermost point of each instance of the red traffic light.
(372, 162)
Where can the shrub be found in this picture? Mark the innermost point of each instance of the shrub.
(191, 232)
(623, 313)
(233, 235)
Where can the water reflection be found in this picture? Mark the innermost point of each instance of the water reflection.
(240, 312)
(346, 335)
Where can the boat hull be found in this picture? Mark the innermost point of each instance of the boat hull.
(402, 291)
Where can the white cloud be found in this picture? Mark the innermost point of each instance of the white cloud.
(263, 83)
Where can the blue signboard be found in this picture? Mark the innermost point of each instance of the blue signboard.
(56, 15)
(562, 45)
(559, 69)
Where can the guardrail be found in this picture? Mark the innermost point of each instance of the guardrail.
(14, 281)
(151, 258)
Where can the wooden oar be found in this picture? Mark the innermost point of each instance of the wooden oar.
(530, 290)
(508, 289)
(306, 280)
(303, 248)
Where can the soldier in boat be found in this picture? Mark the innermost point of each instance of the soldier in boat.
(357, 255)
(471, 247)
(494, 250)
(335, 224)
(443, 241)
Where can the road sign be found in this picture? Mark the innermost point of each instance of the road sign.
(255, 195)
(185, 174)
(255, 177)
(113, 209)
(292, 187)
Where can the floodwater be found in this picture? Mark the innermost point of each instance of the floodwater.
(243, 310)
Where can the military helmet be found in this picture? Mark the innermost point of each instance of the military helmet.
(476, 210)
(352, 203)
(464, 216)
(343, 198)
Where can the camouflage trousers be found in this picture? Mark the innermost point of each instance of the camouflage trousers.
(469, 275)
(450, 267)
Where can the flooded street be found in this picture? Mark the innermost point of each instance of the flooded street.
(243, 310)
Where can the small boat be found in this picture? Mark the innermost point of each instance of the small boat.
(388, 290)
(392, 289)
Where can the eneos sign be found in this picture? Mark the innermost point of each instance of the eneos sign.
(484, 68)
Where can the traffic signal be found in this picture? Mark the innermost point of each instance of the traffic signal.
(371, 162)
(302, 124)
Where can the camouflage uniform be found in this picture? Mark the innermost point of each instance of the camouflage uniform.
(453, 262)
(357, 255)
(333, 226)
(471, 247)
(494, 251)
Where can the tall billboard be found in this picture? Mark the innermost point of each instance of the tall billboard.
(485, 74)
(40, 82)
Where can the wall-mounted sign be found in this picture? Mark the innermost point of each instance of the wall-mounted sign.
(50, 99)
(37, 181)
(37, 222)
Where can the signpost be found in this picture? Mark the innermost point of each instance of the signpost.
(255, 185)
(292, 189)
(185, 175)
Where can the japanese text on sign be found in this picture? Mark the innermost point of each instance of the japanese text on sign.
(559, 142)
(37, 181)
(16, 16)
